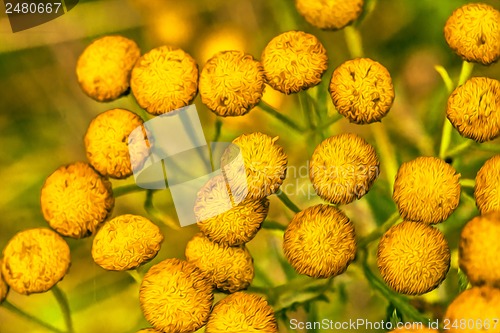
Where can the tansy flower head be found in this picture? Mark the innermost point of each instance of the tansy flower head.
(34, 260)
(231, 83)
(474, 109)
(175, 297)
(479, 249)
(479, 305)
(362, 91)
(228, 268)
(487, 189)
(126, 242)
(330, 15)
(107, 144)
(241, 312)
(413, 258)
(294, 61)
(320, 242)
(473, 32)
(264, 163)
(426, 190)
(164, 79)
(103, 69)
(4, 287)
(224, 222)
(343, 168)
(75, 200)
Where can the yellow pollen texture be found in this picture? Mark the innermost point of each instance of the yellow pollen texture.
(487, 189)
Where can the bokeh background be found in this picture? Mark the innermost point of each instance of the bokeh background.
(44, 116)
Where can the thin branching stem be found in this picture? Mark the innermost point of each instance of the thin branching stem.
(14, 309)
(288, 203)
(61, 298)
(281, 117)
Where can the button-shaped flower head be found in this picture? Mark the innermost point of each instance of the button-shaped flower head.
(362, 91)
(330, 15)
(107, 143)
(4, 287)
(126, 242)
(264, 165)
(426, 189)
(176, 297)
(164, 79)
(343, 168)
(103, 69)
(487, 189)
(75, 199)
(413, 258)
(474, 109)
(241, 312)
(294, 61)
(222, 221)
(231, 83)
(473, 32)
(34, 260)
(320, 242)
(474, 310)
(479, 249)
(229, 268)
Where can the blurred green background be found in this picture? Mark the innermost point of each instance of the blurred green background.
(44, 116)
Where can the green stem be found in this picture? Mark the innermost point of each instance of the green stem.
(63, 304)
(387, 154)
(377, 233)
(471, 183)
(306, 108)
(468, 198)
(156, 213)
(460, 148)
(489, 147)
(446, 78)
(329, 122)
(284, 119)
(288, 203)
(135, 275)
(273, 225)
(218, 127)
(127, 189)
(466, 72)
(14, 309)
(354, 41)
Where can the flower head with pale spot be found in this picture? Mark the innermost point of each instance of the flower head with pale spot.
(427, 190)
(413, 258)
(320, 242)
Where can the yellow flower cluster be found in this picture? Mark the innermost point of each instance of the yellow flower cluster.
(330, 15)
(229, 268)
(34, 260)
(413, 258)
(126, 242)
(242, 312)
(103, 69)
(473, 32)
(487, 189)
(320, 242)
(474, 109)
(362, 91)
(231, 83)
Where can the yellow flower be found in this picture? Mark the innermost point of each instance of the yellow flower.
(34, 260)
(106, 142)
(294, 61)
(264, 163)
(413, 258)
(474, 109)
(222, 221)
(242, 313)
(4, 287)
(229, 268)
(126, 242)
(362, 91)
(175, 297)
(479, 249)
(164, 79)
(103, 69)
(148, 330)
(474, 310)
(343, 168)
(75, 200)
(320, 242)
(426, 190)
(487, 189)
(231, 83)
(473, 32)
(330, 15)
